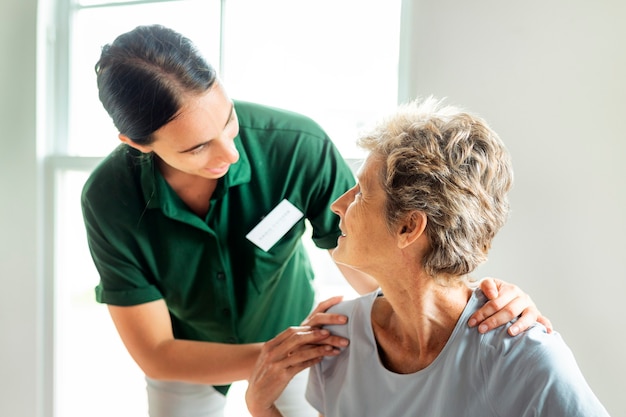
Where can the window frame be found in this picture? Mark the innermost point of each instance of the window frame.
(57, 24)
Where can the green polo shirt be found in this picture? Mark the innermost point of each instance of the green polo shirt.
(218, 286)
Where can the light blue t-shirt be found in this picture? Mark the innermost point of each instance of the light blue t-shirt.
(492, 374)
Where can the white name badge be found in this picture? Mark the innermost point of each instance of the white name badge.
(275, 225)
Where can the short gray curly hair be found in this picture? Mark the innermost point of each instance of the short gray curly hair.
(451, 166)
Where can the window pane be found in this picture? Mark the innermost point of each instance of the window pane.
(91, 132)
(320, 58)
(94, 374)
(336, 61)
(101, 2)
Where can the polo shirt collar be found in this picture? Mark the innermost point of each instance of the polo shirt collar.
(240, 172)
(158, 194)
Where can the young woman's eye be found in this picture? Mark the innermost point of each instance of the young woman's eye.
(198, 150)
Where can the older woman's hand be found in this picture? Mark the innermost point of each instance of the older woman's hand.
(507, 301)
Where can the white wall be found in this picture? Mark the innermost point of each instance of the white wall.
(19, 304)
(550, 77)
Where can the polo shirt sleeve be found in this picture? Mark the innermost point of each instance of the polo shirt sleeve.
(333, 177)
(107, 217)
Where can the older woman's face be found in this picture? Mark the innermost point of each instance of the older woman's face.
(365, 238)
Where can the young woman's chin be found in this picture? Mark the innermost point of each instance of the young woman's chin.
(215, 172)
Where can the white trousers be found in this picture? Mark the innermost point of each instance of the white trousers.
(180, 399)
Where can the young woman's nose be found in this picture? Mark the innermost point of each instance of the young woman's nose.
(227, 151)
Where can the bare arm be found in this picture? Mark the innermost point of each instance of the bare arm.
(146, 331)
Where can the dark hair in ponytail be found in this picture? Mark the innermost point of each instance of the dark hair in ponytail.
(143, 75)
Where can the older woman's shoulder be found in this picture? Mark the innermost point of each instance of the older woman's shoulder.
(535, 342)
(500, 339)
(358, 311)
(358, 304)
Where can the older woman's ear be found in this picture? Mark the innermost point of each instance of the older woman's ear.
(412, 228)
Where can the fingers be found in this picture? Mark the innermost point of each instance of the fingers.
(326, 304)
(293, 350)
(546, 322)
(489, 287)
(508, 304)
(281, 358)
(296, 336)
(305, 356)
(284, 335)
(300, 344)
(325, 319)
(507, 301)
(319, 317)
(494, 317)
(527, 319)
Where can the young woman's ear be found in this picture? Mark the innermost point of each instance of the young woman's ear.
(131, 143)
(412, 228)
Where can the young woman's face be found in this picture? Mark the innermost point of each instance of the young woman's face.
(200, 140)
(365, 237)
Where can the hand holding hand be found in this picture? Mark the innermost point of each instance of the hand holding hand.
(281, 358)
(292, 351)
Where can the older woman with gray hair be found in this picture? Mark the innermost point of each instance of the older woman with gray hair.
(431, 196)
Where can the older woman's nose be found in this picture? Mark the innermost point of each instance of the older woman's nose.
(339, 205)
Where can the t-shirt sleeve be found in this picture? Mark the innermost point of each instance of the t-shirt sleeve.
(539, 377)
(329, 366)
(314, 392)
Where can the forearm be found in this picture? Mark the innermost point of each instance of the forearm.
(270, 412)
(146, 331)
(200, 362)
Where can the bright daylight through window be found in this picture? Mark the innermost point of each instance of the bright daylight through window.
(333, 60)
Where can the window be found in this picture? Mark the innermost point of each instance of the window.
(335, 61)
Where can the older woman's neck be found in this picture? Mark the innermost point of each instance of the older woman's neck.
(413, 322)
